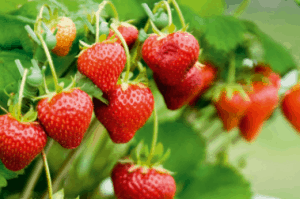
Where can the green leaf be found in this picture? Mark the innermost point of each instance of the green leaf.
(216, 182)
(159, 149)
(6, 174)
(9, 72)
(203, 8)
(223, 33)
(59, 195)
(278, 57)
(3, 182)
(173, 134)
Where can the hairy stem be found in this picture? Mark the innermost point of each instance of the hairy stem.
(63, 170)
(178, 11)
(154, 139)
(231, 71)
(55, 79)
(115, 29)
(47, 174)
(35, 174)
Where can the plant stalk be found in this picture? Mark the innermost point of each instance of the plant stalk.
(47, 174)
(154, 139)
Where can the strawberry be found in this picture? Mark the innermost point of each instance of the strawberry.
(129, 32)
(66, 116)
(170, 56)
(208, 75)
(231, 110)
(103, 64)
(130, 106)
(178, 95)
(267, 72)
(134, 182)
(66, 33)
(264, 99)
(291, 105)
(20, 142)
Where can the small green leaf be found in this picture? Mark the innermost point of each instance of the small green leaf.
(172, 28)
(3, 182)
(159, 149)
(59, 195)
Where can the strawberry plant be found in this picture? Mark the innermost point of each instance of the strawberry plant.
(129, 99)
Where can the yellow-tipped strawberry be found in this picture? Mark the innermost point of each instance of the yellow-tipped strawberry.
(66, 33)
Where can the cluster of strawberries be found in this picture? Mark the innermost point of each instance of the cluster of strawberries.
(250, 114)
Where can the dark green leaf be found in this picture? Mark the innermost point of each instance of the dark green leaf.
(216, 182)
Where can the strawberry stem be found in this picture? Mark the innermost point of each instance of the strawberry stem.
(55, 79)
(39, 18)
(19, 114)
(167, 6)
(115, 29)
(179, 12)
(101, 7)
(47, 174)
(35, 174)
(154, 139)
(231, 70)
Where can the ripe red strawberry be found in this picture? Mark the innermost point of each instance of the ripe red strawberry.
(291, 105)
(128, 110)
(171, 56)
(20, 142)
(66, 33)
(231, 110)
(178, 95)
(267, 72)
(103, 64)
(264, 99)
(208, 75)
(129, 32)
(134, 183)
(66, 116)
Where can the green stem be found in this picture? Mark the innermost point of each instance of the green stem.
(55, 79)
(63, 170)
(166, 4)
(47, 174)
(115, 29)
(35, 174)
(155, 29)
(21, 92)
(154, 139)
(101, 7)
(179, 12)
(231, 70)
(242, 7)
(40, 17)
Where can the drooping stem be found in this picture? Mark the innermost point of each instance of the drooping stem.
(47, 174)
(155, 29)
(101, 7)
(154, 139)
(34, 176)
(115, 29)
(179, 12)
(40, 17)
(55, 79)
(63, 170)
(167, 6)
(231, 70)
(21, 92)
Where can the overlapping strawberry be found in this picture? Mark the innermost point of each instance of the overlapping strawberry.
(129, 32)
(102, 63)
(181, 94)
(170, 56)
(130, 106)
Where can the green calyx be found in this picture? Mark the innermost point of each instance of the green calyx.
(229, 88)
(139, 158)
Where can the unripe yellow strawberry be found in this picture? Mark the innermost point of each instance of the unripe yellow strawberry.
(65, 36)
